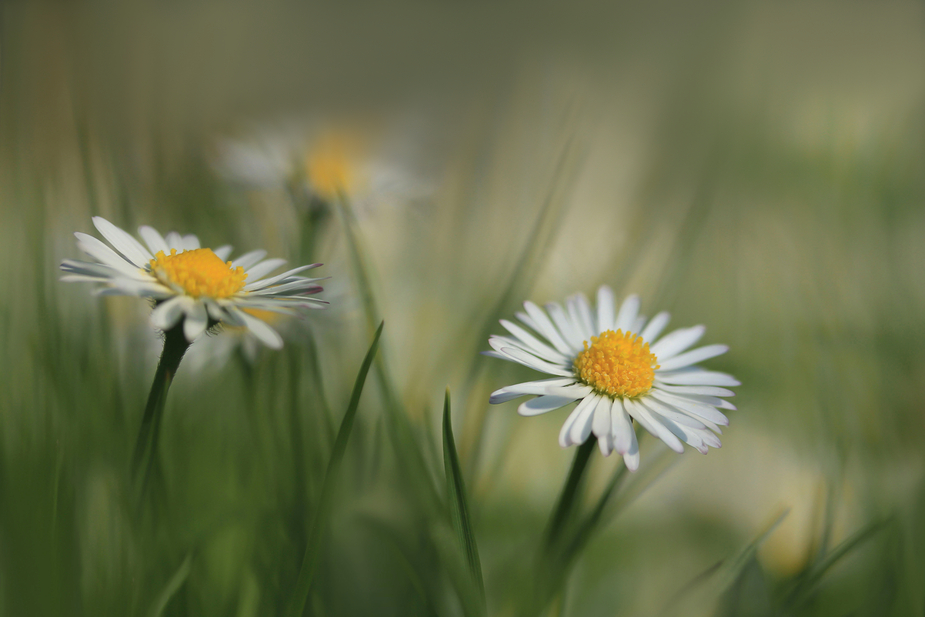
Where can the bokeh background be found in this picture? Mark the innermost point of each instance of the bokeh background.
(755, 167)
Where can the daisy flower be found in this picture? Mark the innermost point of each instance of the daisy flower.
(195, 286)
(618, 368)
(373, 167)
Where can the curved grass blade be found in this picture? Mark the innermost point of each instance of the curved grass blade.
(410, 453)
(806, 583)
(459, 510)
(173, 586)
(737, 566)
(313, 545)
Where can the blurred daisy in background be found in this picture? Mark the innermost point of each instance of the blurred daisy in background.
(190, 285)
(372, 164)
(618, 369)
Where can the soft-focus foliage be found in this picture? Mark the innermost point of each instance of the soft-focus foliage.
(756, 168)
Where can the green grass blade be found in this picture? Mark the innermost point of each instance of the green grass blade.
(545, 229)
(173, 586)
(814, 575)
(736, 567)
(410, 452)
(313, 546)
(459, 507)
(724, 576)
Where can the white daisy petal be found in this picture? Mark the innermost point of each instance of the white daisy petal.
(174, 241)
(264, 283)
(701, 390)
(627, 315)
(631, 458)
(223, 252)
(605, 443)
(535, 363)
(578, 390)
(692, 357)
(195, 322)
(215, 311)
(581, 428)
(601, 424)
(675, 342)
(624, 437)
(82, 278)
(300, 285)
(696, 377)
(713, 401)
(123, 242)
(166, 314)
(563, 322)
(565, 435)
(526, 320)
(639, 324)
(248, 259)
(655, 327)
(545, 327)
(260, 270)
(267, 335)
(499, 342)
(528, 387)
(698, 409)
(87, 268)
(653, 425)
(190, 242)
(583, 315)
(134, 287)
(684, 433)
(672, 414)
(605, 308)
(105, 255)
(154, 240)
(534, 344)
(542, 404)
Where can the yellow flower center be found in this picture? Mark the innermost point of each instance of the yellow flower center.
(199, 272)
(328, 167)
(617, 364)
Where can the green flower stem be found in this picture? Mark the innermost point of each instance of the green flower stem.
(567, 498)
(552, 555)
(175, 345)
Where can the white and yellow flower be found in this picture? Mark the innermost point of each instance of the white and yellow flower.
(196, 286)
(362, 160)
(616, 366)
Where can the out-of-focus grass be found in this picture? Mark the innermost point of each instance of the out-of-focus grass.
(759, 173)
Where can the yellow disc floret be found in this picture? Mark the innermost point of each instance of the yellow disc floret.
(617, 364)
(328, 166)
(199, 272)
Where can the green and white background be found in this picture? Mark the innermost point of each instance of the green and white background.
(755, 167)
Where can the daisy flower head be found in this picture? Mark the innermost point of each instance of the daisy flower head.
(375, 164)
(190, 285)
(615, 364)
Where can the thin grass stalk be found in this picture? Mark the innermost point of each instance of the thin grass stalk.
(312, 556)
(409, 451)
(461, 518)
(529, 263)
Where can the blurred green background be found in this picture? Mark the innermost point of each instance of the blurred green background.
(755, 167)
